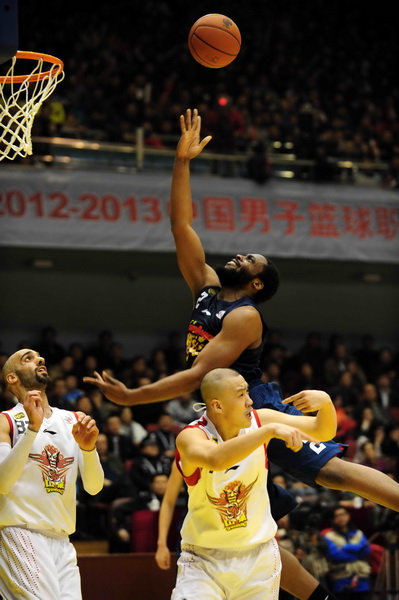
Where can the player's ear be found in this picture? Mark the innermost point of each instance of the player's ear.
(257, 284)
(215, 404)
(11, 378)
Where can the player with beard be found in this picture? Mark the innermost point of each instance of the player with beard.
(227, 330)
(42, 448)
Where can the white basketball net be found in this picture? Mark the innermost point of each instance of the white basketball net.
(19, 104)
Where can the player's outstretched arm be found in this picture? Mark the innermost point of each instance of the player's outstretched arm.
(190, 253)
(241, 329)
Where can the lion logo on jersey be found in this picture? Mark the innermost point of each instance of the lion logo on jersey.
(54, 467)
(232, 504)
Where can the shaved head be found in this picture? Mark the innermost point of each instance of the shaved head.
(12, 361)
(214, 383)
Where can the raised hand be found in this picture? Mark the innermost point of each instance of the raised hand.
(308, 400)
(189, 145)
(85, 432)
(114, 390)
(33, 406)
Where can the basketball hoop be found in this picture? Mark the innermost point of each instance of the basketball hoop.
(21, 96)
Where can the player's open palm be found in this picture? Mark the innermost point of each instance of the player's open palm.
(189, 145)
(33, 406)
(85, 432)
(308, 400)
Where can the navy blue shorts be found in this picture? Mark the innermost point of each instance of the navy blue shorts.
(305, 464)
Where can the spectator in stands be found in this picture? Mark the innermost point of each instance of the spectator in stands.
(165, 434)
(119, 444)
(307, 379)
(77, 352)
(346, 388)
(314, 353)
(337, 362)
(346, 424)
(131, 428)
(63, 368)
(388, 395)
(116, 361)
(348, 552)
(182, 410)
(102, 406)
(57, 393)
(158, 363)
(367, 423)
(390, 446)
(101, 350)
(368, 455)
(148, 463)
(73, 391)
(368, 397)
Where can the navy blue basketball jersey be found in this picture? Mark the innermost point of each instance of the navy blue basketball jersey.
(206, 322)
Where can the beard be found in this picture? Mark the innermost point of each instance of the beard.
(32, 381)
(233, 278)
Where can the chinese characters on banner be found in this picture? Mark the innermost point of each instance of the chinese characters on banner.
(109, 210)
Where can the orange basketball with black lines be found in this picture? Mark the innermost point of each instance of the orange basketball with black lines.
(214, 41)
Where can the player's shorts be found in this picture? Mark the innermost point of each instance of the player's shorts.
(305, 464)
(37, 567)
(237, 574)
(281, 501)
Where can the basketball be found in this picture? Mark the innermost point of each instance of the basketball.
(214, 41)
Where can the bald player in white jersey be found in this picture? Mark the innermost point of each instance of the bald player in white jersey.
(42, 448)
(229, 549)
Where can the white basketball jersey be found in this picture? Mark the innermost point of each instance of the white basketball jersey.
(44, 497)
(230, 508)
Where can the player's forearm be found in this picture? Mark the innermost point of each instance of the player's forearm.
(235, 450)
(91, 472)
(181, 209)
(13, 460)
(164, 522)
(167, 388)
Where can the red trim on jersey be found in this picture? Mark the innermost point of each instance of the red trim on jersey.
(11, 424)
(194, 477)
(201, 422)
(255, 413)
(191, 479)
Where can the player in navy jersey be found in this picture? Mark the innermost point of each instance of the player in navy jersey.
(232, 335)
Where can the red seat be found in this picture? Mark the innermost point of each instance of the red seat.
(145, 530)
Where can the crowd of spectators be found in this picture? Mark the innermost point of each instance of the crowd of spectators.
(137, 444)
(316, 81)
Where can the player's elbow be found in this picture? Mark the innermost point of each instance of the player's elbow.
(327, 432)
